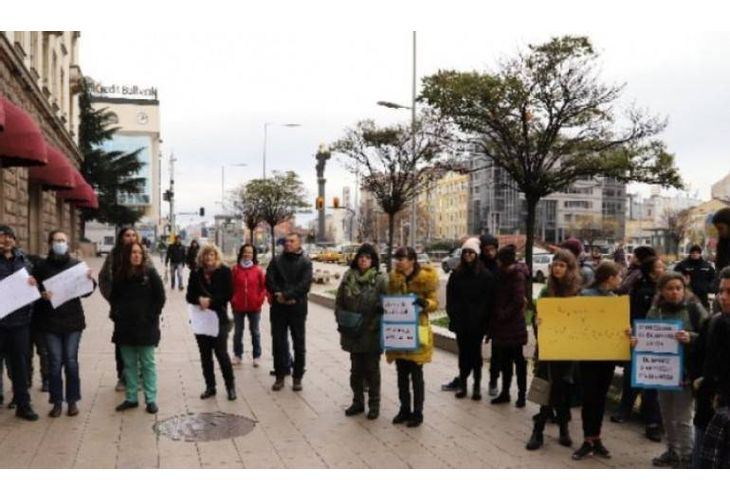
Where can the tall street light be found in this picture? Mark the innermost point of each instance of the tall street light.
(223, 182)
(266, 126)
(412, 107)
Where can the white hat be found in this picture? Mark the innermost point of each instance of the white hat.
(471, 244)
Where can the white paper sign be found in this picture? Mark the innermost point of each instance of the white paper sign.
(16, 292)
(399, 309)
(400, 336)
(69, 284)
(203, 321)
(657, 337)
(657, 370)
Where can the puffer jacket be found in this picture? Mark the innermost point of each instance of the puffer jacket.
(361, 293)
(249, 288)
(508, 327)
(469, 300)
(424, 284)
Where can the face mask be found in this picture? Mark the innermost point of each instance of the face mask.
(245, 263)
(60, 247)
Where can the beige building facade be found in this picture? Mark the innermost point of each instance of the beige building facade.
(447, 203)
(40, 74)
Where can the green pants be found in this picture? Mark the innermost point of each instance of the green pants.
(136, 358)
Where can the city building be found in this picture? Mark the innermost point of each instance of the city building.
(136, 111)
(447, 204)
(721, 189)
(41, 188)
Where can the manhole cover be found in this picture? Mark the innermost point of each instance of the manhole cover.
(195, 427)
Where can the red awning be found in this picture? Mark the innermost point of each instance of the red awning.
(2, 115)
(92, 201)
(82, 195)
(21, 141)
(58, 174)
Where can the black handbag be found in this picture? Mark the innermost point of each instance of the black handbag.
(348, 322)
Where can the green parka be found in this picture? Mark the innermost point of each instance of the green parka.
(361, 293)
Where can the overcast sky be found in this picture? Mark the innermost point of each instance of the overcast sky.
(217, 89)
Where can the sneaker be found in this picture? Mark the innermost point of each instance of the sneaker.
(121, 386)
(493, 391)
(667, 459)
(452, 386)
(585, 450)
(653, 433)
(600, 450)
(236, 360)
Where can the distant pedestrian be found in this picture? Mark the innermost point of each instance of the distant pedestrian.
(596, 376)
(210, 286)
(15, 327)
(673, 301)
(191, 257)
(175, 258)
(137, 299)
(508, 329)
(61, 326)
(249, 292)
(469, 303)
(564, 281)
(112, 263)
(410, 277)
(699, 273)
(358, 311)
(288, 280)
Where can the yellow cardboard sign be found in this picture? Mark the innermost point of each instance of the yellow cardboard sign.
(583, 329)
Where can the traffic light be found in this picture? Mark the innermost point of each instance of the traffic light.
(336, 202)
(319, 203)
(167, 195)
(202, 211)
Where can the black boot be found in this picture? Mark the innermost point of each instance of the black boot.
(404, 415)
(521, 402)
(461, 392)
(536, 439)
(502, 398)
(476, 394)
(565, 435)
(416, 419)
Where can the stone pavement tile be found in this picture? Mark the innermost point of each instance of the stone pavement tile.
(178, 454)
(219, 455)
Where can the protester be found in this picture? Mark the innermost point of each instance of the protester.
(585, 264)
(469, 300)
(410, 277)
(508, 328)
(358, 311)
(191, 258)
(700, 273)
(633, 273)
(674, 302)
(641, 298)
(596, 376)
(175, 258)
(249, 292)
(112, 263)
(15, 327)
(288, 280)
(210, 286)
(714, 442)
(137, 298)
(721, 221)
(619, 255)
(61, 326)
(564, 281)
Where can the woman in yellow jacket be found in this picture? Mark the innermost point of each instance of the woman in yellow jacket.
(409, 277)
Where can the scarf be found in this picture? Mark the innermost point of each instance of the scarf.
(356, 282)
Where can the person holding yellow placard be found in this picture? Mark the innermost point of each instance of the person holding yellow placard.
(596, 375)
(564, 281)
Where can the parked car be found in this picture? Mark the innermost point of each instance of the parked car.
(451, 261)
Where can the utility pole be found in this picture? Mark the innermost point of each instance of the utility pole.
(414, 205)
(173, 231)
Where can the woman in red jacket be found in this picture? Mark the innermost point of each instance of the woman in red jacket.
(249, 290)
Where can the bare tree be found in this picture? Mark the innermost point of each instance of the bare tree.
(246, 204)
(677, 225)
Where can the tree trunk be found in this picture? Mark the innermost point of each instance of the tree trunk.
(529, 242)
(391, 227)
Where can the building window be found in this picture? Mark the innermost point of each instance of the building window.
(578, 204)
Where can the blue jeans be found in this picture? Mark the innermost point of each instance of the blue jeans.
(253, 326)
(63, 351)
(176, 270)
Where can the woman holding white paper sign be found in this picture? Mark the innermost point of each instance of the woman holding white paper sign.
(674, 301)
(410, 277)
(137, 298)
(61, 327)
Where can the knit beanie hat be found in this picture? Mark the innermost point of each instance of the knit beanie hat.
(574, 245)
(471, 244)
(722, 216)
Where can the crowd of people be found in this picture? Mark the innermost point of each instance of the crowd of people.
(487, 300)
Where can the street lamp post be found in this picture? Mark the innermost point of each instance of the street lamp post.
(266, 127)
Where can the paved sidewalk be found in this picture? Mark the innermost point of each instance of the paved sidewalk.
(294, 430)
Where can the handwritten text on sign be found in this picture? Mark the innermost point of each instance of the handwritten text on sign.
(657, 370)
(657, 336)
(399, 309)
(583, 328)
(400, 336)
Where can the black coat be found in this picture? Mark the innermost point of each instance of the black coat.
(508, 326)
(176, 254)
(701, 276)
(641, 297)
(69, 316)
(219, 290)
(290, 274)
(136, 305)
(716, 369)
(469, 300)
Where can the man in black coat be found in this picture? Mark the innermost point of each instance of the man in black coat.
(288, 279)
(15, 327)
(175, 258)
(701, 274)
